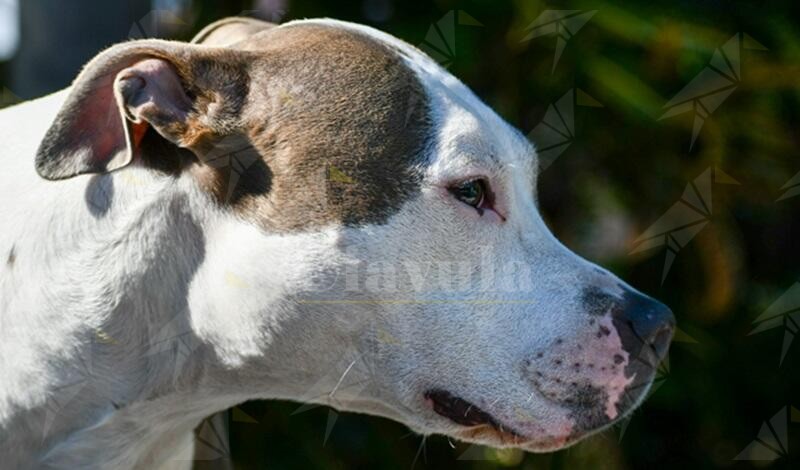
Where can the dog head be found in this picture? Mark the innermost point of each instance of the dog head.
(374, 241)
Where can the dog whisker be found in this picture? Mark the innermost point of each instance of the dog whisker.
(420, 451)
(344, 374)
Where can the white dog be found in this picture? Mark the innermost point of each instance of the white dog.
(314, 212)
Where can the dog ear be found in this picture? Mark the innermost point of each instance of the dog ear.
(228, 31)
(180, 91)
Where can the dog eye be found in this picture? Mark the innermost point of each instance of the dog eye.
(472, 193)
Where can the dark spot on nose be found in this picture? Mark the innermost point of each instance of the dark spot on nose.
(618, 359)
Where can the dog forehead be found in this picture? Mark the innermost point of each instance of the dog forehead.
(340, 122)
(466, 129)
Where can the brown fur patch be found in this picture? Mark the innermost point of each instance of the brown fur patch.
(339, 121)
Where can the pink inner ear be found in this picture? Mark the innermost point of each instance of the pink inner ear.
(151, 91)
(112, 104)
(109, 108)
(99, 126)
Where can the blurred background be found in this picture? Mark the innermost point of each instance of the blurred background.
(669, 143)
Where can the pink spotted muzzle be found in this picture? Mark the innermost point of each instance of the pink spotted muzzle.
(589, 377)
(605, 370)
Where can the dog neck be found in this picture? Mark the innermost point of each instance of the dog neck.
(151, 324)
(105, 351)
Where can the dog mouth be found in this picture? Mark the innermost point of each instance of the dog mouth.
(464, 413)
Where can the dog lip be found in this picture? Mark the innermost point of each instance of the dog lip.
(461, 411)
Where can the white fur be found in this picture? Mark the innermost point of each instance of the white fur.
(124, 322)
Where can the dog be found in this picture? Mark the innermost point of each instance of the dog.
(316, 212)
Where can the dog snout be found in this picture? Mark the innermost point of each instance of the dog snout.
(645, 324)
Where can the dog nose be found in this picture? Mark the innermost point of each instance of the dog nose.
(645, 322)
